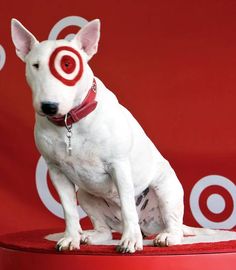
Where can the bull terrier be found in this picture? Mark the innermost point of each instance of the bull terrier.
(91, 141)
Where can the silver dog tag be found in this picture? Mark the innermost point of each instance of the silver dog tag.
(69, 148)
(68, 135)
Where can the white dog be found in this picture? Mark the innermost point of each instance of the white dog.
(91, 141)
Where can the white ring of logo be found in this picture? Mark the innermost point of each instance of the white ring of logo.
(57, 65)
(65, 22)
(213, 180)
(44, 193)
(2, 57)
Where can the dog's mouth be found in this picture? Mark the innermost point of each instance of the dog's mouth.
(55, 116)
(41, 114)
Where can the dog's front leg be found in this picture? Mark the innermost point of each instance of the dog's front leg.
(131, 239)
(67, 194)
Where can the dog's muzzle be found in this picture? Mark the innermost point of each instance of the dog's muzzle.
(49, 108)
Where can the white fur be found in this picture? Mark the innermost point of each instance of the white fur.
(113, 161)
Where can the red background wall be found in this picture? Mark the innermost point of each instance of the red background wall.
(171, 63)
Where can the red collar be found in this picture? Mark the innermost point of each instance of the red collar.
(80, 111)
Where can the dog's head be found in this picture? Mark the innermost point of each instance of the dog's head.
(57, 70)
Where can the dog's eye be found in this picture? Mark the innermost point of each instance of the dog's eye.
(36, 65)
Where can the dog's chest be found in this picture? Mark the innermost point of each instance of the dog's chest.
(84, 167)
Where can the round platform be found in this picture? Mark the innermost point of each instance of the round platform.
(29, 250)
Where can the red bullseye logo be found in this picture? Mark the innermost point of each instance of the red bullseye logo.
(66, 65)
(67, 27)
(213, 202)
(216, 203)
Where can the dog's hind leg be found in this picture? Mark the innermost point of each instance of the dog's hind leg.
(98, 211)
(150, 220)
(170, 201)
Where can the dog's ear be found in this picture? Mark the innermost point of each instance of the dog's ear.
(88, 37)
(22, 39)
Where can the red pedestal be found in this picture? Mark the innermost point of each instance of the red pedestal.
(29, 250)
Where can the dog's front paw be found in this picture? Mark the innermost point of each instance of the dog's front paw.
(68, 243)
(131, 241)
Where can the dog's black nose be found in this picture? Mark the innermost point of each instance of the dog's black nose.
(49, 108)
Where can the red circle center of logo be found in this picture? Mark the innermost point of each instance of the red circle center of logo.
(68, 64)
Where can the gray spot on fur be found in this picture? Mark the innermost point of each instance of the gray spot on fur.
(152, 209)
(139, 199)
(142, 196)
(106, 203)
(144, 205)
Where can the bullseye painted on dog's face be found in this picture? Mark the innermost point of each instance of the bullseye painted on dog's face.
(65, 64)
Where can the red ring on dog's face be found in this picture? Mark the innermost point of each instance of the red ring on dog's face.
(65, 63)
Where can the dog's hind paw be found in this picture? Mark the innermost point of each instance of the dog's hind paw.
(68, 243)
(166, 239)
(94, 237)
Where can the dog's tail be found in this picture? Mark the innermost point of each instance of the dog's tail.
(204, 235)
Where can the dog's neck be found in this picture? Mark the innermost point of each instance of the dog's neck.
(78, 112)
